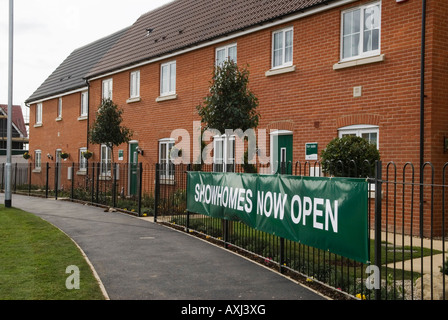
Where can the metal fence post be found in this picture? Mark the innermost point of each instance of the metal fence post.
(282, 255)
(156, 193)
(114, 185)
(98, 168)
(30, 170)
(56, 180)
(15, 177)
(187, 227)
(378, 212)
(92, 187)
(140, 185)
(46, 180)
(72, 191)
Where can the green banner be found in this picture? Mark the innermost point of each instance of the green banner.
(325, 213)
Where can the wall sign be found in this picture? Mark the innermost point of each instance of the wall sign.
(311, 151)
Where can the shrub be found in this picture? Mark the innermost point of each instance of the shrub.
(349, 156)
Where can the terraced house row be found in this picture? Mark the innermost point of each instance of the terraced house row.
(320, 69)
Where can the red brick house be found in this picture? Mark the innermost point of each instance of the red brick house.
(59, 109)
(320, 69)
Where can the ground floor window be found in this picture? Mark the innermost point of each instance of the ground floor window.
(166, 165)
(368, 132)
(224, 154)
(37, 159)
(82, 160)
(106, 160)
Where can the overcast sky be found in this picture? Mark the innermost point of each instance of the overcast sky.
(47, 31)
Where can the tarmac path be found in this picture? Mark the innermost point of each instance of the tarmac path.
(140, 260)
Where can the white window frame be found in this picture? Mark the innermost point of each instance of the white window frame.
(359, 130)
(171, 81)
(84, 109)
(82, 160)
(107, 89)
(226, 50)
(134, 87)
(167, 166)
(106, 160)
(224, 151)
(59, 110)
(361, 52)
(39, 108)
(283, 63)
(37, 159)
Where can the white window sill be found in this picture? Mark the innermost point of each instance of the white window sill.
(166, 98)
(134, 99)
(58, 119)
(81, 118)
(38, 125)
(358, 62)
(37, 170)
(282, 70)
(81, 172)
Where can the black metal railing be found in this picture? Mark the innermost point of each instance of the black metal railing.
(406, 215)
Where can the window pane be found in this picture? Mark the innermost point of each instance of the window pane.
(371, 28)
(288, 46)
(165, 79)
(172, 78)
(367, 41)
(347, 28)
(278, 49)
(220, 56)
(232, 53)
(351, 34)
(372, 137)
(163, 153)
(375, 39)
(356, 21)
(347, 47)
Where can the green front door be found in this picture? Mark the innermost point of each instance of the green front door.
(283, 149)
(133, 168)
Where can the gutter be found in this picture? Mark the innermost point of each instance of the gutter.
(88, 113)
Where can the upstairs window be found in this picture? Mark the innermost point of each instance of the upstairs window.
(107, 89)
(361, 31)
(135, 85)
(38, 114)
(59, 113)
(168, 78)
(228, 52)
(282, 48)
(84, 104)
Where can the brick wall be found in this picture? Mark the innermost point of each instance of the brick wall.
(314, 101)
(67, 134)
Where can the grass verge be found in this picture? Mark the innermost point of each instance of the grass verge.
(34, 256)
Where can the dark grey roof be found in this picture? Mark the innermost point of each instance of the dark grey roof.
(184, 23)
(70, 75)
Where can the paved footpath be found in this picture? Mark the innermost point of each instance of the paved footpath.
(140, 260)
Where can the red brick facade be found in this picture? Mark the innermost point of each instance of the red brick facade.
(314, 101)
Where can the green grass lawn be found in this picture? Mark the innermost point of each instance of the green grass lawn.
(34, 256)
